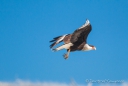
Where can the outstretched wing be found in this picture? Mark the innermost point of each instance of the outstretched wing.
(80, 35)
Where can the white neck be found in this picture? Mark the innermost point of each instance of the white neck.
(87, 47)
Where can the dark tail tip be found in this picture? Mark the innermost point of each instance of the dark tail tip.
(52, 40)
(52, 44)
(55, 39)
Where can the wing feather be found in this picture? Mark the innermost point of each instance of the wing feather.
(80, 35)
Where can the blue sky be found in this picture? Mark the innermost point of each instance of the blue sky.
(26, 27)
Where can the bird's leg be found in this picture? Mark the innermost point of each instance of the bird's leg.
(66, 55)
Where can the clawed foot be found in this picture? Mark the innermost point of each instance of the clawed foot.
(65, 56)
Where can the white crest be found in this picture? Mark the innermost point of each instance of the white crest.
(86, 23)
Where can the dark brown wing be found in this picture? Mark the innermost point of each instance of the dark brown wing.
(80, 35)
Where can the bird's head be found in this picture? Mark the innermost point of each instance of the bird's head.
(93, 47)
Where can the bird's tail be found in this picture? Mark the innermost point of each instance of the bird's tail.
(65, 46)
(57, 40)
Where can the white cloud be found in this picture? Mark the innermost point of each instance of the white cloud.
(19, 82)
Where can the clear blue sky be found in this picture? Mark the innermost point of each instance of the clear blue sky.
(26, 27)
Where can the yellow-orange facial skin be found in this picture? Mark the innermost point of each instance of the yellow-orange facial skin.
(94, 48)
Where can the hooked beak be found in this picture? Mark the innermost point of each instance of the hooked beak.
(94, 48)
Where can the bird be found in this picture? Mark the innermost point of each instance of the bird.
(77, 41)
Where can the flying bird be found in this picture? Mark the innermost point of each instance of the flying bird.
(77, 41)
